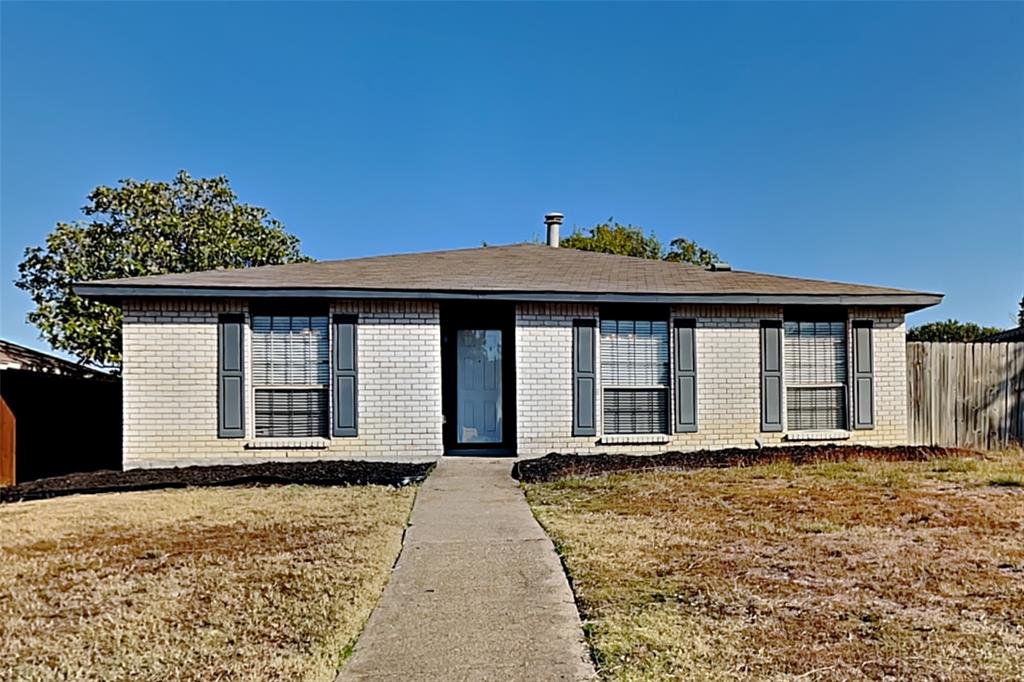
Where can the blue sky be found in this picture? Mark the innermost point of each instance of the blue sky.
(876, 143)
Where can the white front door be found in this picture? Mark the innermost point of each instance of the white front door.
(478, 366)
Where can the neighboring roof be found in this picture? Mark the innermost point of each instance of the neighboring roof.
(1015, 334)
(514, 272)
(13, 356)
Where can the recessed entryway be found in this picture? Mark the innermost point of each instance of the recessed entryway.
(478, 378)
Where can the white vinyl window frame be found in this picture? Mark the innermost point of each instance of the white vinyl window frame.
(635, 376)
(290, 375)
(815, 367)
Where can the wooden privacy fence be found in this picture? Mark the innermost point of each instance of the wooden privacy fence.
(965, 394)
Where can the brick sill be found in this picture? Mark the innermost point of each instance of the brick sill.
(288, 444)
(818, 435)
(635, 439)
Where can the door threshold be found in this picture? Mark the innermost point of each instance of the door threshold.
(481, 452)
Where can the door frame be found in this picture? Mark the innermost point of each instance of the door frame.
(478, 315)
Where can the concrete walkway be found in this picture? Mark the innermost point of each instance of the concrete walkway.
(478, 592)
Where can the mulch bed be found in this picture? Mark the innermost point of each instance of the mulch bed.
(325, 472)
(554, 466)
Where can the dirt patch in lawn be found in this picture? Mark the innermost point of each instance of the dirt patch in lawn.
(861, 569)
(259, 583)
(554, 466)
(323, 472)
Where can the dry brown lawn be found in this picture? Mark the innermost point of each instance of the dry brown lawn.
(266, 583)
(819, 572)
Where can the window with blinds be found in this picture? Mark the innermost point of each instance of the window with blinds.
(290, 374)
(634, 376)
(815, 375)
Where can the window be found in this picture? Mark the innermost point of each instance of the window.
(634, 376)
(815, 375)
(290, 375)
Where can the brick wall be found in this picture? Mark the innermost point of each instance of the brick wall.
(890, 357)
(170, 382)
(728, 379)
(544, 378)
(170, 385)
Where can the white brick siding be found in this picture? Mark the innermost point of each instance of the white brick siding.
(889, 345)
(170, 382)
(728, 379)
(544, 378)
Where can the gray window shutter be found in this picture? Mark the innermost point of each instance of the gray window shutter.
(686, 375)
(584, 378)
(771, 375)
(230, 377)
(344, 371)
(863, 376)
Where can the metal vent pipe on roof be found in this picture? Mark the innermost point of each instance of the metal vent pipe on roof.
(553, 221)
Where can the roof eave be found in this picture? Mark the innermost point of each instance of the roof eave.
(116, 293)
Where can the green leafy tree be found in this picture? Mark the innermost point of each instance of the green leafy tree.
(684, 251)
(135, 229)
(612, 237)
(631, 240)
(950, 330)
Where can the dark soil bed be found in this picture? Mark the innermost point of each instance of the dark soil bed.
(326, 472)
(555, 466)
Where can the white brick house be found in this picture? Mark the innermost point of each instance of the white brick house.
(522, 349)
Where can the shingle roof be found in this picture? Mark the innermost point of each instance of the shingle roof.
(527, 271)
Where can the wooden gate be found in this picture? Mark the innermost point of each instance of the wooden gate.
(6, 444)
